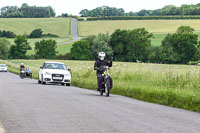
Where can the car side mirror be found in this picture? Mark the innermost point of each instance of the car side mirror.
(69, 69)
(41, 67)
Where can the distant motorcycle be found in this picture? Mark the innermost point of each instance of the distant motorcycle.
(22, 73)
(28, 73)
(106, 83)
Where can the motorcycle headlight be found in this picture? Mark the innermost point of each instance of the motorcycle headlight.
(67, 75)
(47, 73)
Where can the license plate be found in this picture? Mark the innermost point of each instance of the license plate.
(57, 78)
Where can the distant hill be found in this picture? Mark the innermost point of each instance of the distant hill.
(20, 26)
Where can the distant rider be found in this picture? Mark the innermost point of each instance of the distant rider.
(22, 67)
(99, 66)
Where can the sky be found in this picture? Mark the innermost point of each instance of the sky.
(75, 6)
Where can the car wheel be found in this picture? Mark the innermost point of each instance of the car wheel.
(62, 84)
(43, 81)
(39, 82)
(68, 84)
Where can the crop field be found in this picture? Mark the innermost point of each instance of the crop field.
(155, 26)
(20, 26)
(158, 27)
(172, 85)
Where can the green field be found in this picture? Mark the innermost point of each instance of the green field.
(58, 26)
(155, 26)
(20, 26)
(158, 27)
(63, 49)
(172, 85)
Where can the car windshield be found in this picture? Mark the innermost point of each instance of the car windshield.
(54, 66)
(2, 65)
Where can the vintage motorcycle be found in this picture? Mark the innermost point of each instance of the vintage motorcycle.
(106, 83)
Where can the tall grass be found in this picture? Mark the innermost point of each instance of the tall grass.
(172, 85)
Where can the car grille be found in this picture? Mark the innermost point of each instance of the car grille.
(57, 77)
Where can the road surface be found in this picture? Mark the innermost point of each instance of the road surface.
(28, 107)
(74, 32)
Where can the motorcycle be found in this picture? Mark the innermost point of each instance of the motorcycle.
(28, 74)
(106, 84)
(22, 73)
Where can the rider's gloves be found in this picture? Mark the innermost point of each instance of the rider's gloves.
(99, 69)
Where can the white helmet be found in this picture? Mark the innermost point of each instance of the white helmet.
(102, 55)
(22, 64)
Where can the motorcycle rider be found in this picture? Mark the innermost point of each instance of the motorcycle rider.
(99, 67)
(22, 67)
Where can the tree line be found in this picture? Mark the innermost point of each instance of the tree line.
(169, 10)
(26, 11)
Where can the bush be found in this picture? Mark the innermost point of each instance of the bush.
(19, 50)
(4, 48)
(156, 55)
(131, 45)
(193, 62)
(80, 50)
(37, 33)
(101, 43)
(45, 49)
(7, 34)
(183, 46)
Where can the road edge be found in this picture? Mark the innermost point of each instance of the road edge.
(2, 130)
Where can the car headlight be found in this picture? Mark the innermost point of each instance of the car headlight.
(67, 75)
(47, 73)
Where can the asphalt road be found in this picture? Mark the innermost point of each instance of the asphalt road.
(27, 107)
(74, 32)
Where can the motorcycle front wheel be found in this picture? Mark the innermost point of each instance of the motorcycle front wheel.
(107, 90)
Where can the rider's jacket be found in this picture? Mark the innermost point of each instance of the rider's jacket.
(22, 67)
(100, 63)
